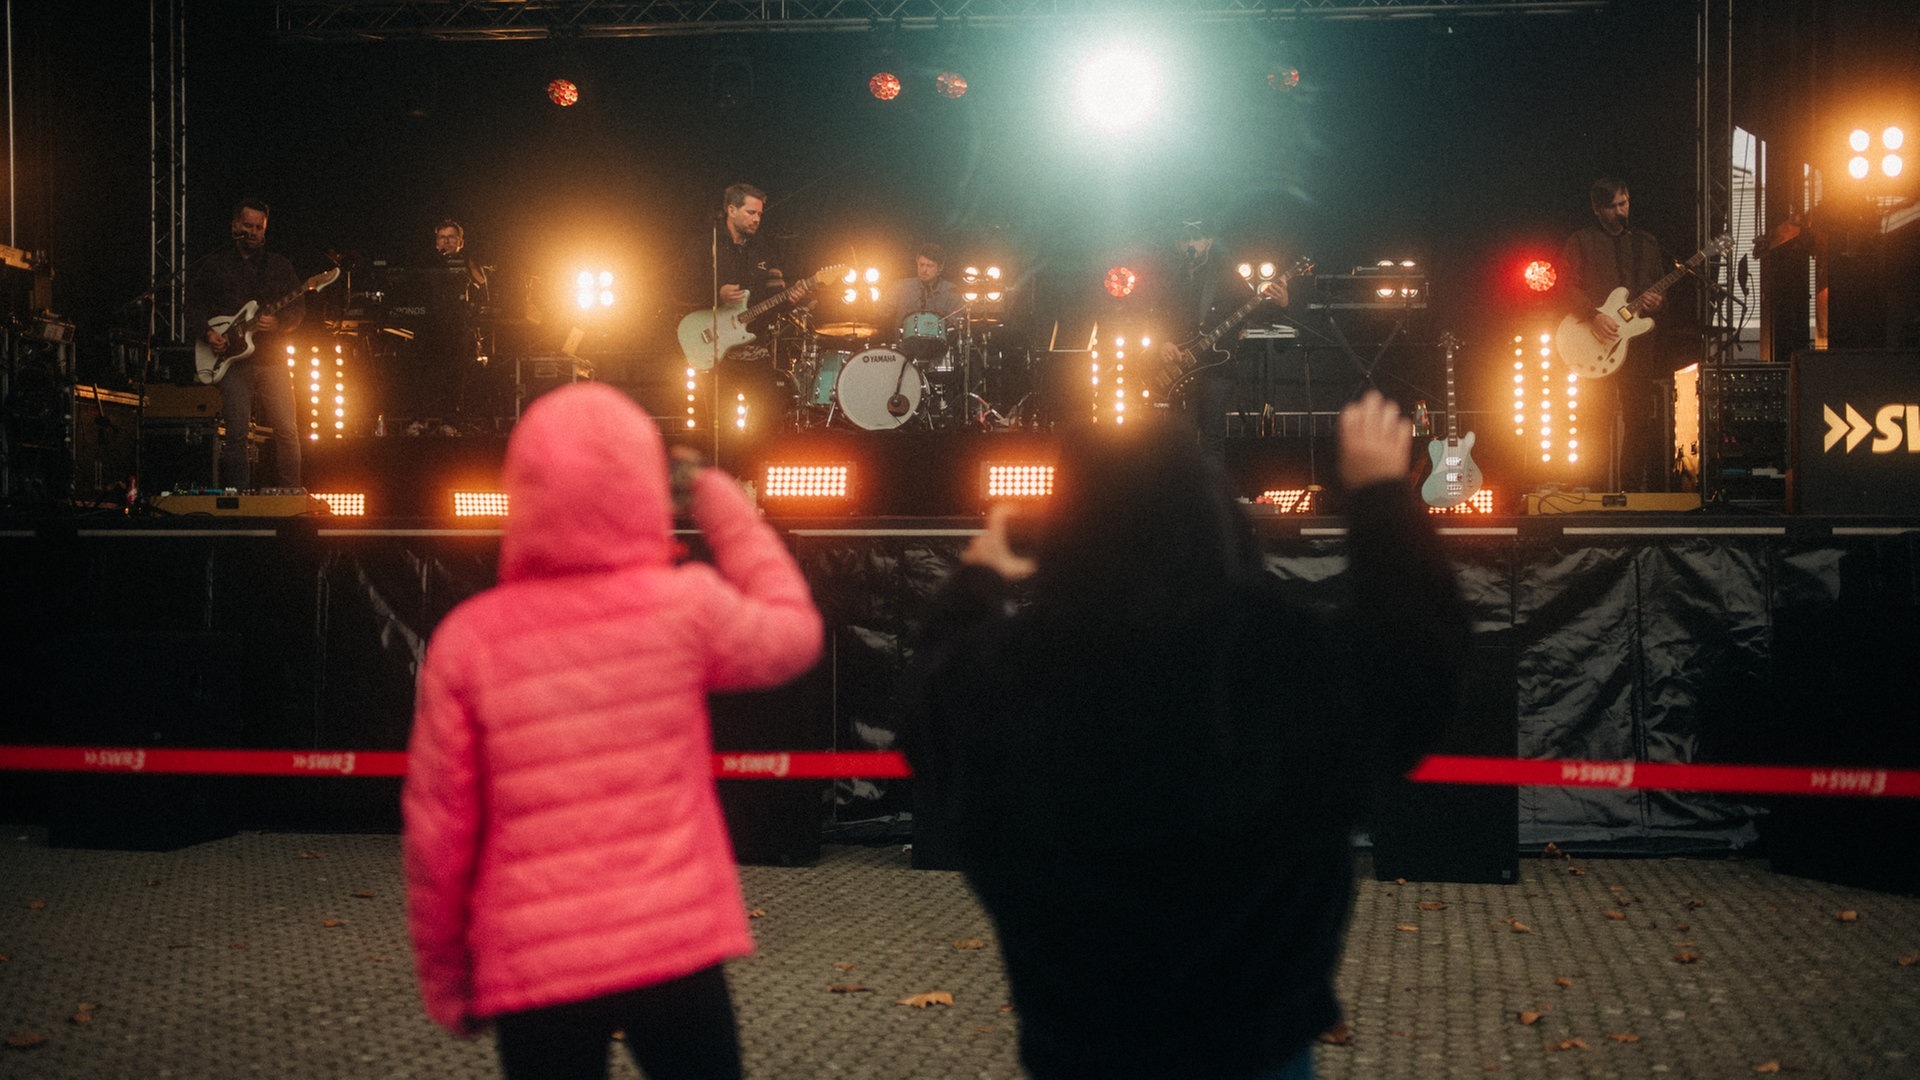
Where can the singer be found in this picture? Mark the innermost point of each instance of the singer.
(220, 285)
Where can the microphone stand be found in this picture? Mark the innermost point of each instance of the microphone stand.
(713, 387)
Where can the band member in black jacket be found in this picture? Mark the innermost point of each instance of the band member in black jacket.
(219, 285)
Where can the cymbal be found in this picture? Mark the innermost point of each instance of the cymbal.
(845, 330)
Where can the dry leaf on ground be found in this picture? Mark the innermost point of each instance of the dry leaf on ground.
(848, 988)
(970, 943)
(26, 1040)
(1686, 958)
(1562, 981)
(1624, 1037)
(363, 896)
(843, 967)
(1431, 905)
(36, 905)
(1519, 927)
(1338, 1035)
(1407, 929)
(1530, 1018)
(756, 913)
(931, 997)
(1905, 961)
(1617, 916)
(311, 855)
(333, 922)
(1767, 1067)
(1569, 1044)
(1847, 916)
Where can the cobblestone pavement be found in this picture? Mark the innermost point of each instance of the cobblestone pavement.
(285, 955)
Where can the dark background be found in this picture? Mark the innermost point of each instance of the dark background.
(1465, 142)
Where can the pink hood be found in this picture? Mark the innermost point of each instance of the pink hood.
(586, 476)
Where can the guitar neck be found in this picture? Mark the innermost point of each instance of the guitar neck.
(1453, 422)
(1660, 287)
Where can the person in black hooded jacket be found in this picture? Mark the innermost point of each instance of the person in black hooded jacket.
(1148, 761)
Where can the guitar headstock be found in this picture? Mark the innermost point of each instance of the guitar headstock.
(1721, 245)
(1449, 342)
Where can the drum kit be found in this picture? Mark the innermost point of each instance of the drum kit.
(941, 373)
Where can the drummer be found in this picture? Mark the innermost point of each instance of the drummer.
(917, 309)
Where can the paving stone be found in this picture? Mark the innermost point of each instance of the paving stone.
(217, 961)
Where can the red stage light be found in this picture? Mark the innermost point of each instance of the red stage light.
(562, 92)
(1539, 275)
(885, 86)
(950, 84)
(1120, 281)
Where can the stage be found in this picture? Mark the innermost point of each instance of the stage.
(1608, 635)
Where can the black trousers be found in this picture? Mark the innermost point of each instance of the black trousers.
(678, 1030)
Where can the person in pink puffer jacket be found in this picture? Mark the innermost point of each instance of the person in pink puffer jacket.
(568, 869)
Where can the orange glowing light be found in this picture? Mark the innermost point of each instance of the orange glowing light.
(950, 84)
(1283, 78)
(885, 86)
(1120, 281)
(1539, 275)
(563, 93)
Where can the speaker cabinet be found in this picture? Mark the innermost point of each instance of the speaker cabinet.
(1462, 833)
(1856, 432)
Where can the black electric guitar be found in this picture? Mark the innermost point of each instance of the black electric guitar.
(1455, 478)
(1190, 358)
(210, 364)
(1585, 356)
(728, 323)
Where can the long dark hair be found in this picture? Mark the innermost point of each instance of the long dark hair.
(1141, 527)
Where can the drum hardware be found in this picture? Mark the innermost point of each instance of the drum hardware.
(858, 331)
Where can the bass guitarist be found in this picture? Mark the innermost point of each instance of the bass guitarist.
(1607, 254)
(220, 285)
(1202, 286)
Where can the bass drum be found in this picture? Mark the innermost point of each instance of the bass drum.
(880, 389)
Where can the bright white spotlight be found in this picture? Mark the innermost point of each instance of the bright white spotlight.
(1117, 90)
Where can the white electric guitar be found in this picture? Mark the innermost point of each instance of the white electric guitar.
(210, 364)
(1586, 356)
(727, 324)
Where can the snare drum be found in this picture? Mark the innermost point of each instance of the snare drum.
(923, 337)
(869, 384)
(826, 372)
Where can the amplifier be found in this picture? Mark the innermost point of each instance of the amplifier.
(1740, 444)
(165, 400)
(284, 504)
(1856, 431)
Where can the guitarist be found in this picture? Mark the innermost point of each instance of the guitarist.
(731, 263)
(220, 285)
(1202, 288)
(1607, 254)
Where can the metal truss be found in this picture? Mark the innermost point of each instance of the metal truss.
(536, 20)
(167, 165)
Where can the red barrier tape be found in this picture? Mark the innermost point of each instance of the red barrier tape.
(891, 765)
